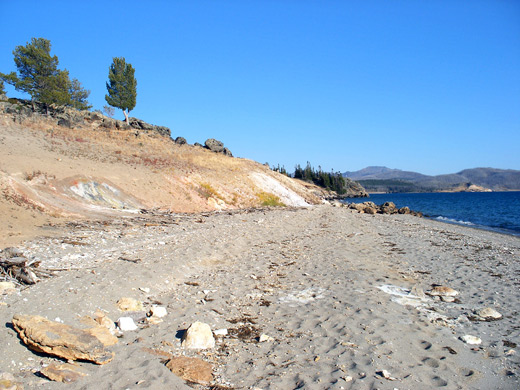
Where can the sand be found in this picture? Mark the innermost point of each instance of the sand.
(335, 290)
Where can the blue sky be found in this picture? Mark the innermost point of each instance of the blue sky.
(429, 86)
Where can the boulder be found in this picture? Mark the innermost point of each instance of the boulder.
(64, 341)
(198, 144)
(404, 210)
(214, 145)
(139, 124)
(180, 141)
(227, 152)
(388, 208)
(198, 336)
(162, 130)
(191, 369)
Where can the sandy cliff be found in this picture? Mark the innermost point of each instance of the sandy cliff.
(92, 166)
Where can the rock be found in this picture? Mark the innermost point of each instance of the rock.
(158, 311)
(66, 372)
(489, 313)
(103, 334)
(198, 144)
(126, 324)
(443, 291)
(129, 304)
(191, 369)
(227, 152)
(64, 341)
(473, 340)
(198, 336)
(7, 287)
(220, 332)
(65, 123)
(404, 210)
(370, 210)
(265, 338)
(101, 319)
(385, 374)
(388, 208)
(214, 145)
(180, 141)
(447, 298)
(7, 382)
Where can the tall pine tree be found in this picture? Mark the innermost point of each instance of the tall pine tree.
(121, 86)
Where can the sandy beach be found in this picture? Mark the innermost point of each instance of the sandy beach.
(340, 298)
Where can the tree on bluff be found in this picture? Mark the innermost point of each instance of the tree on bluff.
(39, 76)
(121, 86)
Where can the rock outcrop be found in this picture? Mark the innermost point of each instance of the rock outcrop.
(25, 110)
(385, 208)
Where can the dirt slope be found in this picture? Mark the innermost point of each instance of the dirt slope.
(50, 174)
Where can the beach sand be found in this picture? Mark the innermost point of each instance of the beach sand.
(338, 293)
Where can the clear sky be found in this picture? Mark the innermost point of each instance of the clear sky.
(428, 86)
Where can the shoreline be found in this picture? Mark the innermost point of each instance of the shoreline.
(309, 278)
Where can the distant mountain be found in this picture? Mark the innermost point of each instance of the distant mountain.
(383, 179)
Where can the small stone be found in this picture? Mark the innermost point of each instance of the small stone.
(443, 291)
(385, 374)
(66, 373)
(126, 324)
(220, 332)
(129, 304)
(145, 289)
(447, 298)
(317, 358)
(347, 378)
(511, 352)
(489, 313)
(158, 311)
(265, 338)
(191, 369)
(473, 340)
(198, 336)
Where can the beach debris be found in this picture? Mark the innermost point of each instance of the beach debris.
(66, 373)
(198, 336)
(265, 338)
(144, 289)
(472, 340)
(302, 297)
(488, 314)
(404, 296)
(220, 332)
(191, 369)
(129, 304)
(246, 333)
(14, 265)
(126, 324)
(64, 341)
(347, 378)
(442, 291)
(7, 287)
(7, 382)
(385, 374)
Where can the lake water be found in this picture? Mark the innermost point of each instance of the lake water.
(498, 211)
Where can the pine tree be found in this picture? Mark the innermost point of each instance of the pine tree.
(122, 86)
(39, 76)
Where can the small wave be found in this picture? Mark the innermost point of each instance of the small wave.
(452, 220)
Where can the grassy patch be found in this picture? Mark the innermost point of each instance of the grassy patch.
(267, 199)
(207, 191)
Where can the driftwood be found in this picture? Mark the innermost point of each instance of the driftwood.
(16, 267)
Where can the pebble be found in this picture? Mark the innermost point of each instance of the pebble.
(126, 324)
(265, 338)
(220, 332)
(473, 340)
(489, 313)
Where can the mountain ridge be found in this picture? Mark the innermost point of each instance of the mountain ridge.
(384, 179)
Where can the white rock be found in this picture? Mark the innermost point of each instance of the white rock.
(469, 339)
(198, 336)
(220, 332)
(264, 338)
(144, 289)
(158, 311)
(126, 324)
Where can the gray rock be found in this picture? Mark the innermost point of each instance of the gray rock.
(227, 152)
(214, 145)
(180, 141)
